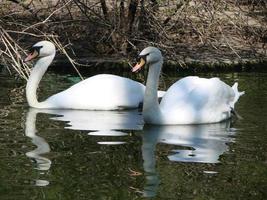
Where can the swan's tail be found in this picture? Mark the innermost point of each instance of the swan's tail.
(237, 94)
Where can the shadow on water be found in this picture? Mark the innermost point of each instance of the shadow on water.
(195, 144)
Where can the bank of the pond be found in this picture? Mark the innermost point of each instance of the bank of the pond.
(123, 65)
(95, 65)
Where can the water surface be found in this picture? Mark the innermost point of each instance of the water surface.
(64, 154)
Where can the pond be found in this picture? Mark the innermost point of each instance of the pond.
(64, 154)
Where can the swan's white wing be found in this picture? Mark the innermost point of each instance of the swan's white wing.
(100, 92)
(197, 100)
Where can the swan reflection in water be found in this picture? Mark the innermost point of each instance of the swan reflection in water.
(98, 120)
(205, 143)
(100, 123)
(42, 163)
(191, 143)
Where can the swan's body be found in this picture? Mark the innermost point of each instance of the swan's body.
(100, 92)
(198, 100)
(191, 100)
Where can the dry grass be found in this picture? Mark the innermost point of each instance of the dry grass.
(186, 30)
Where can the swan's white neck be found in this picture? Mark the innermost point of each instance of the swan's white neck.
(151, 110)
(37, 73)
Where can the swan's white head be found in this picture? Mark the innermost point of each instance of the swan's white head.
(41, 49)
(149, 55)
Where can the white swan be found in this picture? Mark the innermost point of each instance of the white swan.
(191, 100)
(100, 92)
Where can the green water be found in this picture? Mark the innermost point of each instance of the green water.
(57, 154)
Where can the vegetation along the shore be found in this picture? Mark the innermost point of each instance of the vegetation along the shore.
(194, 33)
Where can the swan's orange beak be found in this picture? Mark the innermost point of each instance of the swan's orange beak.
(139, 65)
(31, 56)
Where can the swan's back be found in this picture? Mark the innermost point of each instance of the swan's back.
(197, 100)
(100, 92)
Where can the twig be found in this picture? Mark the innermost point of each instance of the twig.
(58, 44)
(229, 44)
(44, 21)
(31, 34)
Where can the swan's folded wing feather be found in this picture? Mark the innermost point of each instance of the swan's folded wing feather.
(198, 99)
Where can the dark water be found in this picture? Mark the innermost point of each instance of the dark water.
(61, 154)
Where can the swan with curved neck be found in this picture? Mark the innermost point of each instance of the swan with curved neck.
(100, 92)
(191, 100)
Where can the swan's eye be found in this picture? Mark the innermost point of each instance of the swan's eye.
(35, 48)
(138, 59)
